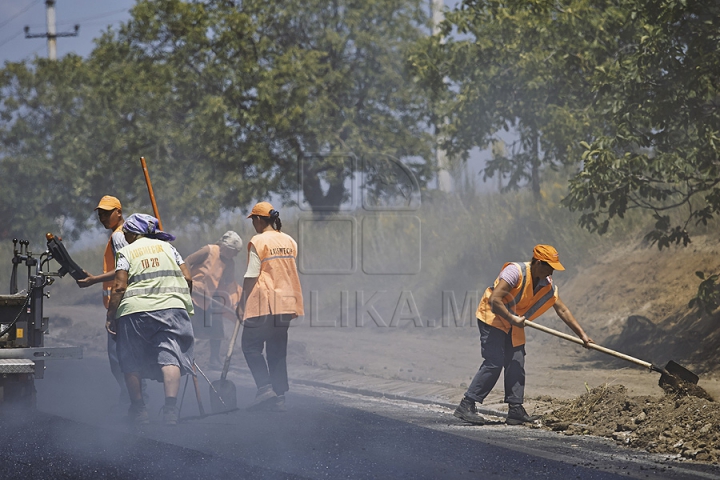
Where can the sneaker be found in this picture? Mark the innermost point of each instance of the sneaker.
(138, 415)
(468, 412)
(517, 415)
(264, 394)
(278, 405)
(170, 415)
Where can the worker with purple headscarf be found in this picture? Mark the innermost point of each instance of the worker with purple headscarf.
(149, 314)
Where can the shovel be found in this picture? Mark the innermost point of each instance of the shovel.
(674, 377)
(223, 394)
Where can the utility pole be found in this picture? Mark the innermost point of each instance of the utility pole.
(51, 34)
(445, 180)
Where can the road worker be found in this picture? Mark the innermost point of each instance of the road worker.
(522, 292)
(109, 211)
(271, 298)
(215, 292)
(149, 313)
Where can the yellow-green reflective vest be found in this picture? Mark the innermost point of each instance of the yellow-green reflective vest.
(155, 281)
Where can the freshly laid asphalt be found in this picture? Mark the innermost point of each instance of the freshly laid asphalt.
(78, 431)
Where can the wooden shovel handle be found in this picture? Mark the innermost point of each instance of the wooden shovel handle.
(230, 350)
(150, 191)
(593, 346)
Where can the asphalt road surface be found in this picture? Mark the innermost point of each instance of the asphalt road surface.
(78, 431)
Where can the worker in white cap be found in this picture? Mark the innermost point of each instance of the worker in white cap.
(215, 291)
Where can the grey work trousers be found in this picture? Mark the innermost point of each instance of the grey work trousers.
(269, 332)
(498, 353)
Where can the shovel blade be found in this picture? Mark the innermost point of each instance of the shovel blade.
(681, 372)
(226, 397)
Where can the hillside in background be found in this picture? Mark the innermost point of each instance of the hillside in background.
(634, 298)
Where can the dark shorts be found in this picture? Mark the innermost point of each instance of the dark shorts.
(147, 341)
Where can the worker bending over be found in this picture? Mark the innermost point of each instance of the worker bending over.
(522, 292)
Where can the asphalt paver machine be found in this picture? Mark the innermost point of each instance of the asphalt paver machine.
(23, 325)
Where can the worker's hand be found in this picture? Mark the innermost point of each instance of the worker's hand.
(586, 340)
(517, 321)
(86, 282)
(111, 326)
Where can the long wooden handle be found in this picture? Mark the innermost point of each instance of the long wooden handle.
(197, 391)
(599, 348)
(230, 350)
(150, 191)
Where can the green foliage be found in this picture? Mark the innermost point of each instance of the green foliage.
(658, 100)
(520, 65)
(229, 102)
(707, 298)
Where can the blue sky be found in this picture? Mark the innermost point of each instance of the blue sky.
(93, 16)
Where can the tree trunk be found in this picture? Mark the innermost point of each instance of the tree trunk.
(328, 202)
(535, 179)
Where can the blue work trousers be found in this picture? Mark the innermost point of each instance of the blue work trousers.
(498, 353)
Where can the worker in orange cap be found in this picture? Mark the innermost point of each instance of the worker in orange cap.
(522, 292)
(109, 211)
(271, 298)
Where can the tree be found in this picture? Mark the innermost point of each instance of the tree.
(275, 90)
(523, 66)
(228, 100)
(660, 96)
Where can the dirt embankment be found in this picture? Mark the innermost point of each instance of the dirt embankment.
(634, 299)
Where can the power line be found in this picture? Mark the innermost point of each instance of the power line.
(10, 38)
(101, 15)
(83, 20)
(19, 13)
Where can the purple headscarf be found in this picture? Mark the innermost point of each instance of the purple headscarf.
(146, 225)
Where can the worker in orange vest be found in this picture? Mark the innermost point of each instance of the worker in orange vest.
(109, 211)
(522, 292)
(215, 292)
(271, 298)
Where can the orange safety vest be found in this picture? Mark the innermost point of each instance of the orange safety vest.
(277, 290)
(213, 279)
(109, 265)
(520, 301)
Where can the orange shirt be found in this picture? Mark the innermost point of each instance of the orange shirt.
(109, 265)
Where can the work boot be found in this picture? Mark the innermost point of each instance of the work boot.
(138, 414)
(264, 394)
(517, 415)
(467, 411)
(170, 415)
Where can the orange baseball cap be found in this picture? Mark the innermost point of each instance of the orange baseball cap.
(109, 203)
(261, 209)
(548, 254)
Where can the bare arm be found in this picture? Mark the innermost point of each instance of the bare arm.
(186, 273)
(118, 290)
(93, 279)
(197, 258)
(566, 316)
(498, 307)
(248, 285)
